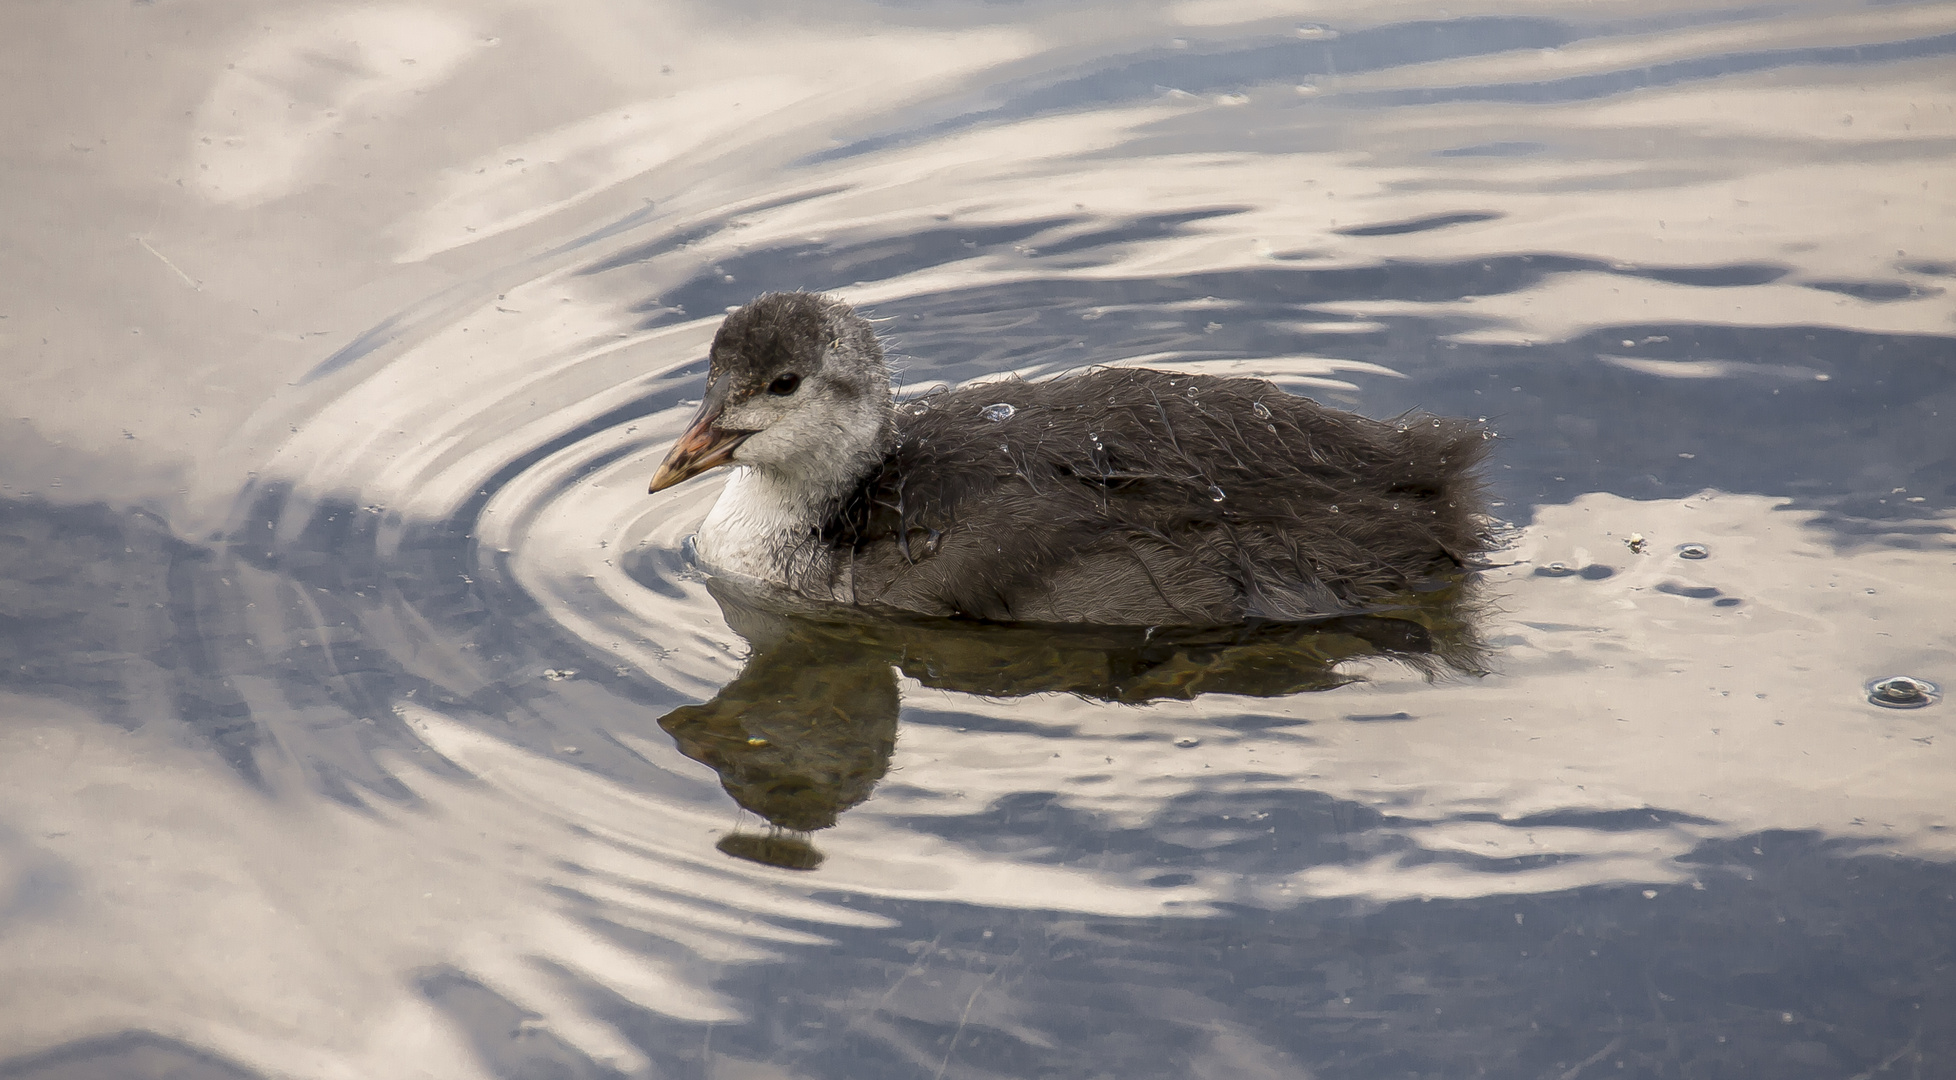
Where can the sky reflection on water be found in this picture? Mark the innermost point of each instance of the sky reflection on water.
(357, 695)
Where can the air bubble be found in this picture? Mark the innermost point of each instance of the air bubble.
(1693, 551)
(1903, 692)
(1555, 569)
(1000, 411)
(1216, 494)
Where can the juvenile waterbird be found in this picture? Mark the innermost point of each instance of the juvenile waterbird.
(1112, 497)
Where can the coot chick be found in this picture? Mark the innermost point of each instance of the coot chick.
(1115, 497)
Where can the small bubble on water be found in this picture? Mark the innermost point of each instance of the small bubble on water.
(1216, 494)
(1000, 411)
(559, 674)
(1693, 551)
(1903, 692)
(1555, 569)
(1188, 743)
(1261, 410)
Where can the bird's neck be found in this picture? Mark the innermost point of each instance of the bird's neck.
(768, 524)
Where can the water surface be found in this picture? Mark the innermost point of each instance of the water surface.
(363, 716)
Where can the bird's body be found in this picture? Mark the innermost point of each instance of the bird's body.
(1114, 497)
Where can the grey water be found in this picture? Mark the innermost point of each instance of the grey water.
(362, 716)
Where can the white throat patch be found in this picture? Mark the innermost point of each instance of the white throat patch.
(760, 528)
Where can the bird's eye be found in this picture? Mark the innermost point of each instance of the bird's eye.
(784, 385)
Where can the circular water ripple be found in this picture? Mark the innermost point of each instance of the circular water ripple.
(446, 603)
(485, 453)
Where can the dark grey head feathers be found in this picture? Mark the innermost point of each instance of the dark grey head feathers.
(791, 337)
(806, 376)
(798, 390)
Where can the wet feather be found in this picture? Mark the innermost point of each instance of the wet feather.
(1129, 496)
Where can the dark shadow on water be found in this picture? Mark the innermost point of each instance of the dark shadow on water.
(107, 609)
(1198, 67)
(1879, 292)
(128, 1055)
(507, 1039)
(1788, 957)
(807, 728)
(1694, 69)
(1425, 224)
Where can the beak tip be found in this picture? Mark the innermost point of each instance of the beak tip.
(701, 448)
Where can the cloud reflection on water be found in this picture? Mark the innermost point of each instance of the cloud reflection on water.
(285, 780)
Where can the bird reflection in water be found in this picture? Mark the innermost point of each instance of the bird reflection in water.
(807, 729)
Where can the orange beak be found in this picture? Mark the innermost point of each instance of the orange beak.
(702, 447)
